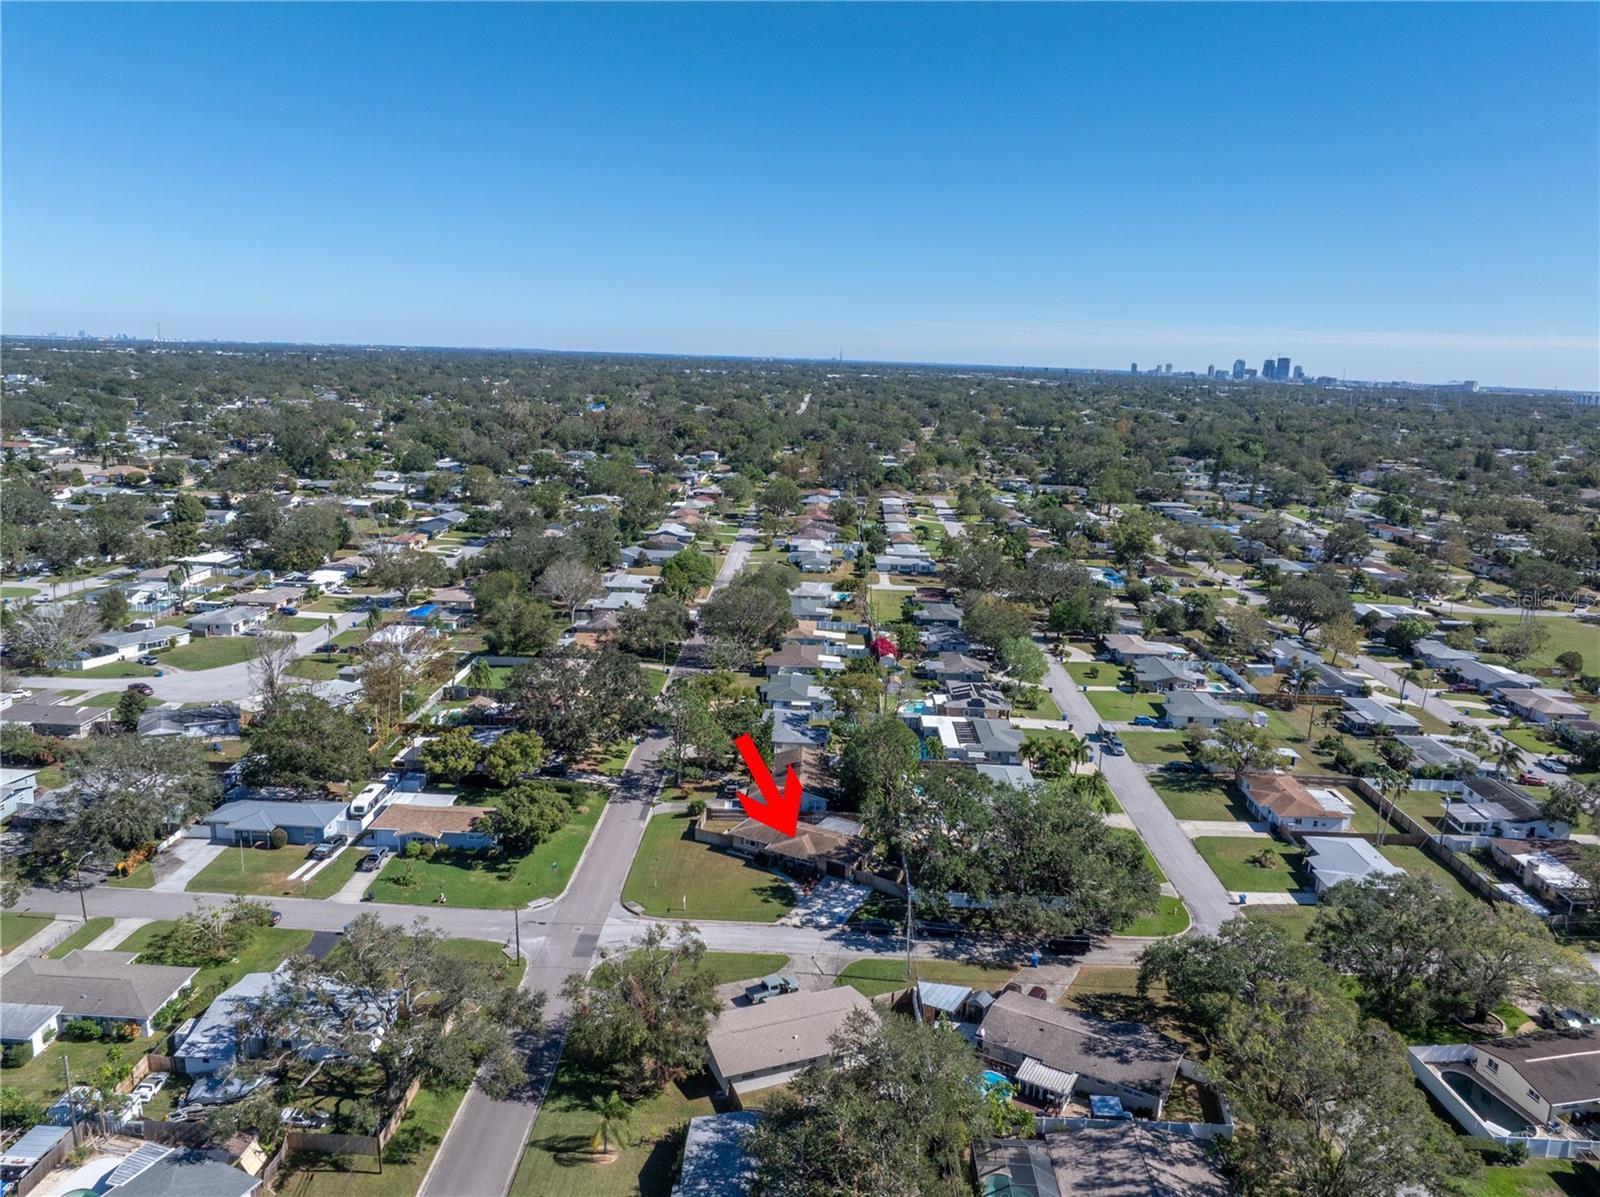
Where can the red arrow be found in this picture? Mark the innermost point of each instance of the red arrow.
(781, 812)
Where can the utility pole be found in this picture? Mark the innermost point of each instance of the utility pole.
(77, 874)
(72, 1109)
(516, 923)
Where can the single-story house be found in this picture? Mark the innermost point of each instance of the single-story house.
(1283, 800)
(1546, 870)
(1368, 716)
(1494, 808)
(1432, 751)
(61, 720)
(812, 849)
(933, 614)
(34, 1025)
(215, 722)
(794, 729)
(980, 700)
(1054, 1053)
(796, 692)
(230, 621)
(126, 646)
(252, 821)
(185, 1173)
(1164, 674)
(802, 658)
(715, 1163)
(212, 1044)
(1486, 678)
(1134, 1159)
(1543, 706)
(1436, 654)
(755, 1047)
(452, 826)
(107, 987)
(17, 788)
(1125, 649)
(1195, 708)
(973, 741)
(904, 563)
(1346, 858)
(954, 667)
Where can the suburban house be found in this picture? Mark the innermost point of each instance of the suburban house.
(1546, 870)
(934, 614)
(1054, 1053)
(797, 692)
(1543, 706)
(1283, 800)
(17, 787)
(1134, 1159)
(1195, 708)
(980, 700)
(973, 741)
(230, 621)
(127, 646)
(1487, 678)
(219, 721)
(1334, 859)
(954, 667)
(1436, 654)
(1532, 1081)
(1437, 753)
(252, 821)
(174, 1172)
(62, 720)
(1368, 716)
(24, 1023)
(457, 827)
(755, 1047)
(107, 987)
(1491, 807)
(1162, 675)
(814, 849)
(801, 658)
(1125, 649)
(794, 729)
(714, 1160)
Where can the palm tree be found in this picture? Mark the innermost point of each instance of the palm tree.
(613, 1112)
(1392, 785)
(1095, 788)
(481, 675)
(1507, 754)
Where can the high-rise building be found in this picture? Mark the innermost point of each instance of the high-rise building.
(1133, 369)
(1238, 367)
(1282, 372)
(1299, 374)
(1167, 369)
(1269, 369)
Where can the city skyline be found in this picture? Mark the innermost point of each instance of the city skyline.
(781, 182)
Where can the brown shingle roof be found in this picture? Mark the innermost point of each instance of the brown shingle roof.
(432, 821)
(1287, 797)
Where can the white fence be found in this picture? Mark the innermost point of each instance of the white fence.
(1427, 1060)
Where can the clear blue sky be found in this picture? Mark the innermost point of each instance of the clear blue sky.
(1383, 191)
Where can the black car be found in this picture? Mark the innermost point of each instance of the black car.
(876, 927)
(275, 917)
(937, 928)
(144, 688)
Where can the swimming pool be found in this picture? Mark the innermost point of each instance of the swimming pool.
(994, 1080)
(1486, 1105)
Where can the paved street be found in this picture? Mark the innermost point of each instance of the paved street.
(1208, 903)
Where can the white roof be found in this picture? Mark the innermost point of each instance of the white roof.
(1346, 858)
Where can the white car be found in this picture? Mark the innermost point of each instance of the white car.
(1551, 765)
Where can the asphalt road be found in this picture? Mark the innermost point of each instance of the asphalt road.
(1208, 903)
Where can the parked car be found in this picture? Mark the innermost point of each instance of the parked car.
(1146, 721)
(1115, 748)
(148, 659)
(144, 688)
(1531, 779)
(288, 610)
(771, 987)
(1181, 767)
(1070, 945)
(1462, 688)
(937, 929)
(373, 861)
(275, 918)
(152, 1084)
(876, 927)
(1564, 1018)
(1551, 765)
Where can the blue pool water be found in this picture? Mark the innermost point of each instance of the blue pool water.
(994, 1080)
(1486, 1105)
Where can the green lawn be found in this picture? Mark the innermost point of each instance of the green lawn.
(1096, 673)
(10, 591)
(1294, 920)
(1415, 860)
(655, 680)
(262, 952)
(887, 605)
(1043, 706)
(491, 882)
(556, 1163)
(317, 667)
(143, 877)
(405, 1158)
(1171, 918)
(41, 1079)
(210, 652)
(1536, 1178)
(106, 698)
(1201, 796)
(1155, 747)
(1565, 635)
(1227, 857)
(1118, 706)
(673, 875)
(116, 669)
(16, 929)
(743, 966)
(875, 976)
(296, 623)
(1531, 739)
(83, 936)
(265, 872)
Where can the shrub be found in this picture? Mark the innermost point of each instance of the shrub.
(126, 1032)
(278, 838)
(16, 1055)
(81, 1030)
(697, 807)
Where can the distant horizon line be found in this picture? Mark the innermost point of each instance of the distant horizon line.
(126, 339)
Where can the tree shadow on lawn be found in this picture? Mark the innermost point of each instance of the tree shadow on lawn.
(575, 1149)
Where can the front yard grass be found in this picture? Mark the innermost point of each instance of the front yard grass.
(41, 1080)
(1415, 860)
(1229, 856)
(1170, 918)
(886, 605)
(678, 877)
(727, 967)
(83, 936)
(142, 877)
(875, 976)
(17, 929)
(266, 948)
(210, 652)
(115, 669)
(1201, 796)
(1118, 706)
(1037, 703)
(1535, 1178)
(317, 667)
(265, 872)
(1295, 921)
(556, 1163)
(489, 881)
(406, 1156)
(1096, 673)
(1155, 747)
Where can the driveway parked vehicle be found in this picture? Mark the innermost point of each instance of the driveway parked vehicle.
(771, 987)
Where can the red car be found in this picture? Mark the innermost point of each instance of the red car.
(1531, 779)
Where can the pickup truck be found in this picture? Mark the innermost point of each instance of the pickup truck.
(771, 987)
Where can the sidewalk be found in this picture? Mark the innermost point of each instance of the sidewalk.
(192, 857)
(115, 934)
